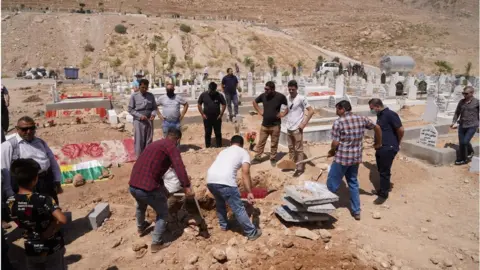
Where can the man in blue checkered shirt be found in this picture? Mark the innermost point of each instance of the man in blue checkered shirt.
(347, 145)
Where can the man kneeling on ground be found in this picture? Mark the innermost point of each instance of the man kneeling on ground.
(222, 183)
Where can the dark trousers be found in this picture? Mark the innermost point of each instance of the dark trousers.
(5, 259)
(216, 125)
(5, 119)
(385, 157)
(465, 135)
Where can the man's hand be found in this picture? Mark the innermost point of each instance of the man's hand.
(188, 192)
(377, 146)
(260, 113)
(152, 117)
(250, 198)
(219, 117)
(204, 116)
(58, 188)
(331, 153)
(143, 118)
(302, 126)
(452, 126)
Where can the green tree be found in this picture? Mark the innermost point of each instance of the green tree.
(271, 62)
(468, 68)
(172, 61)
(247, 61)
(444, 66)
(336, 59)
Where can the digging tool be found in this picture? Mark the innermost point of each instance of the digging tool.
(203, 225)
(291, 165)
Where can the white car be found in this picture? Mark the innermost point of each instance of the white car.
(328, 67)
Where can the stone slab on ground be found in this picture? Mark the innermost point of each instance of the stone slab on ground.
(98, 215)
(289, 216)
(311, 193)
(433, 155)
(81, 103)
(297, 207)
(474, 164)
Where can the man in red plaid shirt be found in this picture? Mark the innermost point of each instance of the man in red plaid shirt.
(347, 145)
(146, 183)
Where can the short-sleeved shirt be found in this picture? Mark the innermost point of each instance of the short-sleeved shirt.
(171, 107)
(349, 131)
(224, 169)
(271, 107)
(33, 213)
(230, 85)
(296, 111)
(211, 103)
(389, 122)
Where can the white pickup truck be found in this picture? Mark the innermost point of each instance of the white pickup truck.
(328, 67)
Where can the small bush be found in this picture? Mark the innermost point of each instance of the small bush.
(89, 48)
(185, 28)
(286, 73)
(157, 38)
(152, 46)
(116, 62)
(86, 62)
(120, 29)
(132, 54)
(197, 65)
(444, 66)
(180, 65)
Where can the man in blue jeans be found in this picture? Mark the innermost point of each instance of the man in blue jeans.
(171, 109)
(467, 115)
(222, 183)
(229, 85)
(392, 134)
(347, 144)
(146, 183)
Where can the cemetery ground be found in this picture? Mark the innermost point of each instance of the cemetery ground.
(430, 220)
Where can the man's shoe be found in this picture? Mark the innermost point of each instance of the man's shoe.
(234, 119)
(256, 160)
(470, 156)
(380, 200)
(144, 227)
(460, 162)
(154, 248)
(273, 162)
(254, 237)
(297, 173)
(356, 216)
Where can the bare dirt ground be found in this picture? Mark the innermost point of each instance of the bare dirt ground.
(431, 215)
(363, 30)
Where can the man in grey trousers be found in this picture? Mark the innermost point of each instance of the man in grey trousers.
(143, 108)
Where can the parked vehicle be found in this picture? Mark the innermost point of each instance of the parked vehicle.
(328, 67)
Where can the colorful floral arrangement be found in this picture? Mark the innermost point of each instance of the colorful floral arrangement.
(251, 139)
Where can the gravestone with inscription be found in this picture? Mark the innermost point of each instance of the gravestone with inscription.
(441, 103)
(339, 86)
(250, 84)
(428, 136)
(301, 86)
(411, 88)
(331, 102)
(431, 111)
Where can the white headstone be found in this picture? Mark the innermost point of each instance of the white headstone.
(392, 89)
(250, 84)
(431, 111)
(369, 89)
(339, 86)
(331, 102)
(441, 103)
(428, 136)
(301, 86)
(382, 92)
(220, 76)
(411, 88)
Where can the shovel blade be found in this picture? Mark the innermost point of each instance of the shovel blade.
(287, 165)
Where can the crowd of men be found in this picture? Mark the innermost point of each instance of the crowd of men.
(31, 177)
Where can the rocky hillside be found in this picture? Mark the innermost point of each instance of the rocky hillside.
(427, 30)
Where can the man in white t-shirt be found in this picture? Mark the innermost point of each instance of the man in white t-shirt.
(297, 120)
(222, 183)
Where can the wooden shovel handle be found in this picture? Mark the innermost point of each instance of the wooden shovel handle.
(310, 159)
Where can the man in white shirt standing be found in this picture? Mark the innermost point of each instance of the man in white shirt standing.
(222, 183)
(297, 120)
(26, 145)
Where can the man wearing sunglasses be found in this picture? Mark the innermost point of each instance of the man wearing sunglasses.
(273, 104)
(297, 120)
(467, 116)
(26, 145)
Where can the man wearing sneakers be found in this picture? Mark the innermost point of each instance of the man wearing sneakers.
(274, 108)
(297, 120)
(229, 85)
(222, 183)
(147, 187)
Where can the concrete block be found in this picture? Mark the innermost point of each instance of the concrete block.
(284, 213)
(474, 164)
(436, 156)
(112, 117)
(297, 207)
(98, 215)
(81, 103)
(311, 193)
(413, 133)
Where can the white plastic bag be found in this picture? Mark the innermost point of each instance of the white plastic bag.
(171, 182)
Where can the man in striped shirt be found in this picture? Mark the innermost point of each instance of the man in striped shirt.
(347, 145)
(147, 187)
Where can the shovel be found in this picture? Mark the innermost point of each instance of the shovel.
(203, 225)
(291, 165)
